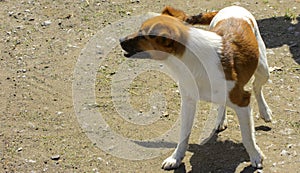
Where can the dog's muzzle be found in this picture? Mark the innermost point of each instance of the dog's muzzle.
(130, 45)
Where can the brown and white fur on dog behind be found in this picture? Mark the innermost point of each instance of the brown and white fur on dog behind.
(212, 65)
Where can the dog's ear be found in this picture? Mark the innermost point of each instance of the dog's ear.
(170, 11)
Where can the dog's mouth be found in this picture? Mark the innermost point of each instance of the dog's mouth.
(137, 55)
(131, 50)
(128, 54)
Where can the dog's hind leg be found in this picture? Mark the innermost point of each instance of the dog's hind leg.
(248, 136)
(222, 119)
(261, 77)
(188, 109)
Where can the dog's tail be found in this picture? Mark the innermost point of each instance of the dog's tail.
(179, 14)
(202, 18)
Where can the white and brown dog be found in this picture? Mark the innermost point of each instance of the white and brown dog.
(212, 65)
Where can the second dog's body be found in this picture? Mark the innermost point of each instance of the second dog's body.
(211, 65)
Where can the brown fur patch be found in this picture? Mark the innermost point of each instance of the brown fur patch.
(202, 18)
(171, 35)
(239, 56)
(179, 14)
(157, 35)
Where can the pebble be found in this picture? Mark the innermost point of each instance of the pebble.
(55, 157)
(100, 159)
(284, 153)
(270, 52)
(95, 170)
(59, 113)
(165, 114)
(135, 1)
(46, 23)
(31, 161)
(20, 27)
(10, 13)
(236, 3)
(260, 171)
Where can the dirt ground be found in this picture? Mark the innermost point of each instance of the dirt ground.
(40, 132)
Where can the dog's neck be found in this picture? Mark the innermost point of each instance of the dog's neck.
(202, 50)
(199, 62)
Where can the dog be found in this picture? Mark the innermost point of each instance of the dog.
(212, 65)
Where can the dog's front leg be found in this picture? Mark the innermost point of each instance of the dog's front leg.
(188, 108)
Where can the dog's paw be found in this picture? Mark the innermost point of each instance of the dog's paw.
(171, 163)
(257, 161)
(266, 115)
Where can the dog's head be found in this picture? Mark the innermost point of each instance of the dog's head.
(157, 38)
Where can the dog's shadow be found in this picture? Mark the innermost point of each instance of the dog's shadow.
(279, 31)
(218, 156)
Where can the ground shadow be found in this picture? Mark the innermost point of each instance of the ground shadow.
(279, 31)
(219, 156)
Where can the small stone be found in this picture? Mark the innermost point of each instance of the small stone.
(55, 157)
(289, 146)
(134, 1)
(236, 3)
(20, 27)
(46, 23)
(19, 149)
(284, 153)
(95, 170)
(10, 13)
(260, 171)
(31, 161)
(59, 113)
(165, 114)
(270, 52)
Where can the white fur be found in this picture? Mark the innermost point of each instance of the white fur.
(201, 76)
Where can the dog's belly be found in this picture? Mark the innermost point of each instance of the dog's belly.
(214, 89)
